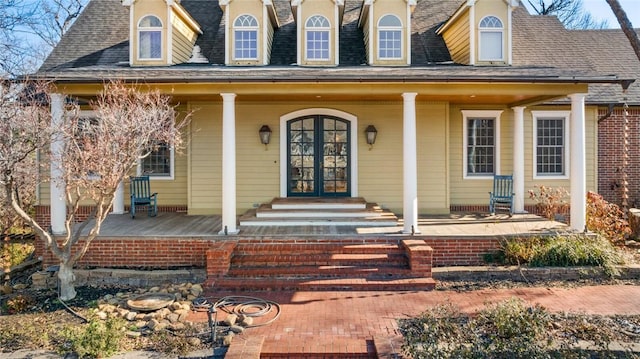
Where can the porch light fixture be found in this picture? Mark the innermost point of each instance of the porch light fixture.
(372, 133)
(265, 135)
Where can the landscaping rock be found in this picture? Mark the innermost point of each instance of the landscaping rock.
(231, 319)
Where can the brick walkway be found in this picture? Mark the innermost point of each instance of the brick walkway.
(330, 324)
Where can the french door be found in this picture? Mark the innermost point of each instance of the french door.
(318, 157)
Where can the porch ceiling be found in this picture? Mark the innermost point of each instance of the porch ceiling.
(509, 94)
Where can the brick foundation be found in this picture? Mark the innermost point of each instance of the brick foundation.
(43, 213)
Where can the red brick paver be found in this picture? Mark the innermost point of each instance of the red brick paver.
(315, 323)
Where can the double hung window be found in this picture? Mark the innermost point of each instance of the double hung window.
(317, 38)
(389, 38)
(491, 32)
(481, 143)
(550, 142)
(245, 32)
(150, 38)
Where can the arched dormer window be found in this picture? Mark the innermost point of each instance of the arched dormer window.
(150, 38)
(245, 32)
(389, 37)
(491, 33)
(317, 29)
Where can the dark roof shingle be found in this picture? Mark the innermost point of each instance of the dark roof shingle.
(97, 46)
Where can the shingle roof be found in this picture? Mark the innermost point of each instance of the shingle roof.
(542, 51)
(606, 52)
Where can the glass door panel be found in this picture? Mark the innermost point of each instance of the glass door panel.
(318, 157)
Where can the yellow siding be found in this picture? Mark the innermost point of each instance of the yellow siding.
(367, 38)
(183, 39)
(475, 191)
(381, 8)
(205, 159)
(269, 43)
(249, 7)
(142, 8)
(432, 143)
(458, 40)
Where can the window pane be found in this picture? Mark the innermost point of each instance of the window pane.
(491, 45)
(390, 44)
(158, 163)
(150, 21)
(390, 20)
(550, 146)
(480, 146)
(150, 46)
(318, 45)
(246, 44)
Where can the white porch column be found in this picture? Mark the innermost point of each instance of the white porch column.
(228, 164)
(410, 164)
(578, 163)
(58, 203)
(518, 159)
(118, 200)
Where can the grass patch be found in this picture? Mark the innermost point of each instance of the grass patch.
(560, 251)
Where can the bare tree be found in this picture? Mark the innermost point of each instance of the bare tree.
(97, 155)
(14, 54)
(30, 29)
(625, 25)
(19, 155)
(569, 12)
(55, 18)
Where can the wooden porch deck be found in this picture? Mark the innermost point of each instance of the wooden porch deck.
(454, 225)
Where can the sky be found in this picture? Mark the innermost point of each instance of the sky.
(599, 9)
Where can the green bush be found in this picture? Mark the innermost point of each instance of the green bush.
(562, 251)
(97, 339)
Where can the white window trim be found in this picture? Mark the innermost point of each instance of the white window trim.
(390, 28)
(567, 145)
(482, 30)
(246, 28)
(467, 114)
(160, 177)
(306, 41)
(140, 29)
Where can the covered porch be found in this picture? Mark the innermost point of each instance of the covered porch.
(210, 227)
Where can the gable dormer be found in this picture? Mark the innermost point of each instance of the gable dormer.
(479, 32)
(161, 32)
(249, 27)
(318, 27)
(386, 26)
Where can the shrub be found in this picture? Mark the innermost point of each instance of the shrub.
(439, 332)
(562, 251)
(97, 339)
(606, 218)
(549, 200)
(508, 329)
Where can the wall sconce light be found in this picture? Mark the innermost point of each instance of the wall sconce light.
(265, 135)
(372, 133)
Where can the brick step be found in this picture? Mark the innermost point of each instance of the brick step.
(318, 259)
(280, 248)
(319, 347)
(319, 284)
(321, 271)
